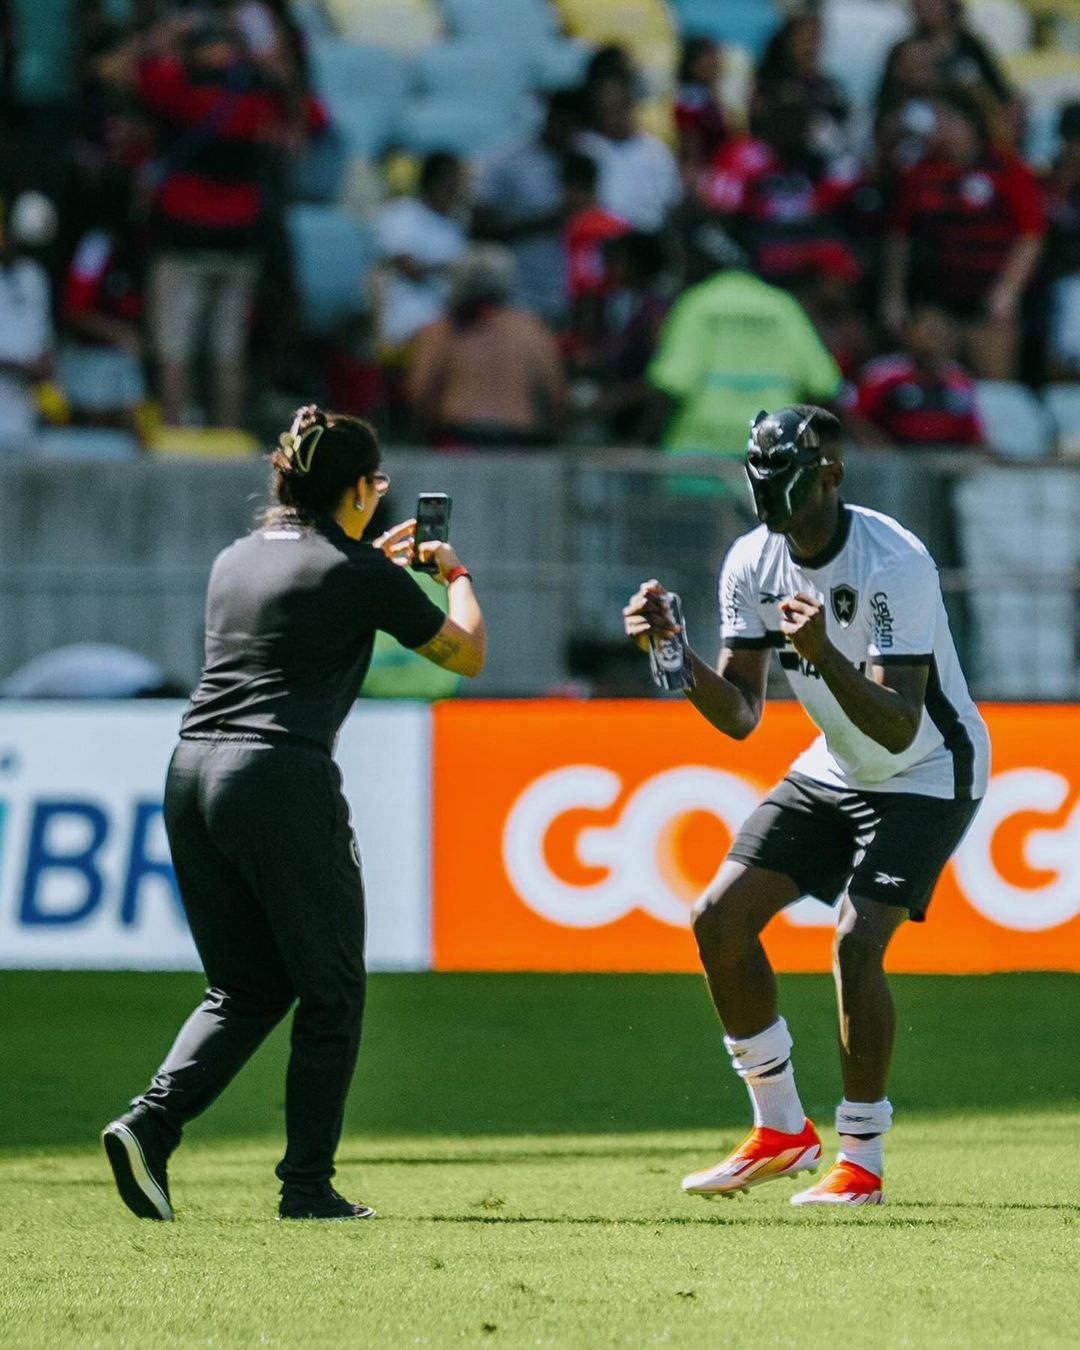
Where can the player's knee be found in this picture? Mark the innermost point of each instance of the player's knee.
(717, 930)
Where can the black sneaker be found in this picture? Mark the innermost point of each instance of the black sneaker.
(139, 1161)
(319, 1202)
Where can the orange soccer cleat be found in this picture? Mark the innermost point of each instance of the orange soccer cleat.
(845, 1183)
(763, 1155)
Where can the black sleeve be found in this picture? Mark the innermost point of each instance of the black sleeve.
(402, 609)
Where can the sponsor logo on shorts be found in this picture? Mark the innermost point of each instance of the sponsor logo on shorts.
(883, 879)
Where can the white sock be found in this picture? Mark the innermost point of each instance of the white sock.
(763, 1062)
(776, 1102)
(855, 1119)
(868, 1153)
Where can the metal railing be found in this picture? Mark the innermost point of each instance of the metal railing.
(557, 540)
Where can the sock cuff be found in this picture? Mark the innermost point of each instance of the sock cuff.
(864, 1117)
(756, 1056)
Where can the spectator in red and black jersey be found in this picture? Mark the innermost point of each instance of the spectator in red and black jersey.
(779, 197)
(222, 120)
(919, 396)
(699, 118)
(588, 228)
(966, 232)
(791, 66)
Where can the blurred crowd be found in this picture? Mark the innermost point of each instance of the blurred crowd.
(596, 283)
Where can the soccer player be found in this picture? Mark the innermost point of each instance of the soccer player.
(868, 815)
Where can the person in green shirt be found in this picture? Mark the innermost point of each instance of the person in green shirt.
(731, 346)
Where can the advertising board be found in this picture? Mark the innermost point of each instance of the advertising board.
(575, 836)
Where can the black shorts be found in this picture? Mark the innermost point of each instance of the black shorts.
(887, 846)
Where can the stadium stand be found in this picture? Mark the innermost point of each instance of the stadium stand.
(333, 252)
(1017, 424)
(1063, 405)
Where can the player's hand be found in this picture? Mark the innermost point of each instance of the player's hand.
(802, 622)
(443, 556)
(398, 543)
(646, 614)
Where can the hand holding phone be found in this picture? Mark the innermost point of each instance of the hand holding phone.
(432, 525)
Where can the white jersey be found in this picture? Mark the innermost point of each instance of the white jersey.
(883, 605)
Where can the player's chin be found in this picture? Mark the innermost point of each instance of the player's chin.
(774, 522)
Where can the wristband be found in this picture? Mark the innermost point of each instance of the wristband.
(456, 572)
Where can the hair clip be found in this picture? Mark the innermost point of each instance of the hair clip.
(300, 445)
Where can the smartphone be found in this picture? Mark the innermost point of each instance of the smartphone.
(432, 523)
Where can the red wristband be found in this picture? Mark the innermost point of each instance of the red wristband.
(456, 572)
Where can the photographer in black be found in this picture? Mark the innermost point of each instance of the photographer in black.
(259, 829)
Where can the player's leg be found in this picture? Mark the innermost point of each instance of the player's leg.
(913, 839)
(728, 921)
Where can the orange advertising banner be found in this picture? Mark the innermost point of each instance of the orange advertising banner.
(576, 836)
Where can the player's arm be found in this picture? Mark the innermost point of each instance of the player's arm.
(732, 696)
(886, 704)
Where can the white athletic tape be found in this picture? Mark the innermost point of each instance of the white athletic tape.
(864, 1117)
(756, 1056)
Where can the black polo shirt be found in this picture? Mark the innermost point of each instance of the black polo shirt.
(291, 615)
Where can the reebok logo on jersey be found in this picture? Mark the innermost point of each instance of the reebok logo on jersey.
(769, 598)
(883, 879)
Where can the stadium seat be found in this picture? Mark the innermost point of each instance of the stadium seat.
(316, 173)
(1063, 405)
(448, 122)
(83, 443)
(520, 22)
(332, 253)
(644, 27)
(355, 70)
(1003, 24)
(403, 25)
(857, 37)
(366, 126)
(470, 68)
(743, 23)
(1016, 422)
(560, 63)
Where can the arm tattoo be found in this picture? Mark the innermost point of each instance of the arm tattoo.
(443, 647)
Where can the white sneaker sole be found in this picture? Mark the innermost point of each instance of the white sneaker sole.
(805, 1160)
(845, 1198)
(137, 1187)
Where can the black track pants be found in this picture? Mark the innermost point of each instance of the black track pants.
(270, 880)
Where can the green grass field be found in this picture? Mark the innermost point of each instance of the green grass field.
(523, 1138)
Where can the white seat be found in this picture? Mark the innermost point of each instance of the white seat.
(560, 62)
(1063, 404)
(333, 253)
(449, 122)
(521, 22)
(1016, 422)
(473, 67)
(858, 35)
(350, 70)
(1003, 24)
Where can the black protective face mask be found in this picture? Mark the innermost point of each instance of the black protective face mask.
(781, 476)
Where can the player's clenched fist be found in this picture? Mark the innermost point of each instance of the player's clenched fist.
(802, 622)
(647, 613)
